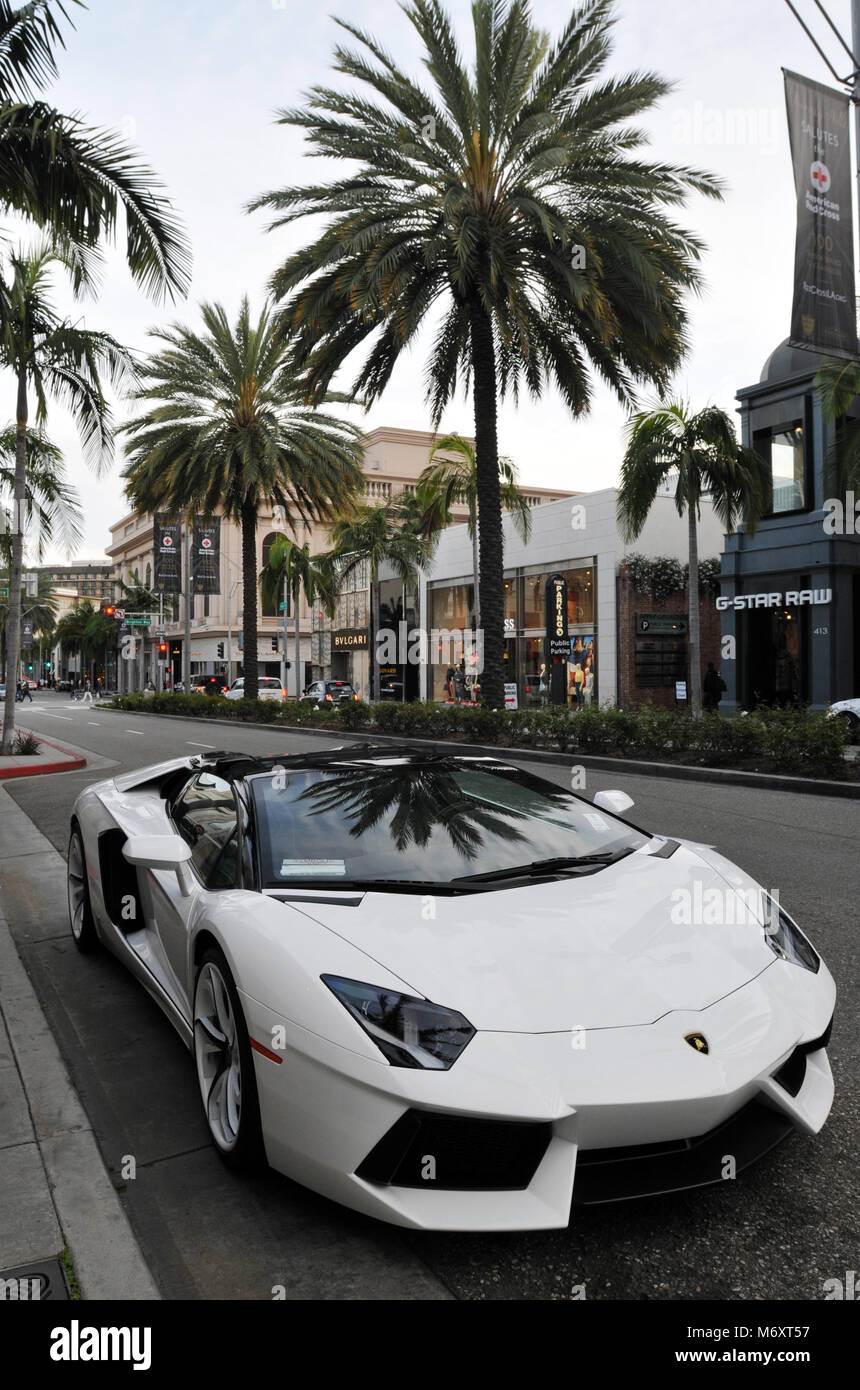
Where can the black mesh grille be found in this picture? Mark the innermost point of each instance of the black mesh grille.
(431, 1150)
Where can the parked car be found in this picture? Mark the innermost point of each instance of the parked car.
(64, 685)
(329, 692)
(268, 688)
(552, 1030)
(848, 711)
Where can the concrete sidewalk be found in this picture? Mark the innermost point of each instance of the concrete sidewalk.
(55, 1192)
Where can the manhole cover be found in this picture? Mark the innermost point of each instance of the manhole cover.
(33, 1283)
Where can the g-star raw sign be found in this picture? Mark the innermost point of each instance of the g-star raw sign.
(792, 598)
(557, 640)
(823, 312)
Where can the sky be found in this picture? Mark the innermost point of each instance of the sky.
(195, 86)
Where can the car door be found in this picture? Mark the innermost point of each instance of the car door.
(205, 816)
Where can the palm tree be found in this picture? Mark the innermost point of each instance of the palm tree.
(86, 631)
(837, 383)
(456, 480)
(511, 195)
(226, 430)
(293, 565)
(374, 536)
(49, 500)
(701, 455)
(71, 178)
(51, 357)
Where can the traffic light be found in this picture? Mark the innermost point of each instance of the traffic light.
(274, 644)
(221, 649)
(109, 611)
(162, 651)
(29, 665)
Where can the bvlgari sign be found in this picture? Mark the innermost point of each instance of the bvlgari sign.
(792, 598)
(349, 638)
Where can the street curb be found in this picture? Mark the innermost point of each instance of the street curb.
(74, 764)
(106, 1256)
(727, 777)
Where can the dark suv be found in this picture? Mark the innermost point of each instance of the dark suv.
(329, 692)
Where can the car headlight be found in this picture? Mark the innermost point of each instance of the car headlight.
(408, 1032)
(787, 941)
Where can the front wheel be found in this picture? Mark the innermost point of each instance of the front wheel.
(80, 910)
(225, 1068)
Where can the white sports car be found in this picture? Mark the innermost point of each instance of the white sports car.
(849, 712)
(449, 993)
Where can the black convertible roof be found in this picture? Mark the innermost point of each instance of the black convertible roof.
(235, 766)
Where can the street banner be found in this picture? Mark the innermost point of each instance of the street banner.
(167, 571)
(27, 636)
(206, 556)
(823, 316)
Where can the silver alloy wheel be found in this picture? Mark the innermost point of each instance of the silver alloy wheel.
(77, 888)
(216, 1050)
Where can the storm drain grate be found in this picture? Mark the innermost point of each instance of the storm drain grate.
(33, 1283)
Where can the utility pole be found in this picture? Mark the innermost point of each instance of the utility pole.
(855, 94)
(284, 675)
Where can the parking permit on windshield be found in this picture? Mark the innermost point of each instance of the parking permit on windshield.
(294, 868)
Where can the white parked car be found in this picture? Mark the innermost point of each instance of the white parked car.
(848, 711)
(268, 688)
(446, 992)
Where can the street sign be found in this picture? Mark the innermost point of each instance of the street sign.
(4, 593)
(138, 622)
(119, 613)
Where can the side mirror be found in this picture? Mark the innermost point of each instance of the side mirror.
(161, 852)
(615, 802)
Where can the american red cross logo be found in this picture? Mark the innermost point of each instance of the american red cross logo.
(820, 176)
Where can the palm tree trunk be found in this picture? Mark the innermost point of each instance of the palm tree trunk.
(249, 597)
(374, 628)
(13, 621)
(693, 600)
(298, 644)
(489, 507)
(476, 569)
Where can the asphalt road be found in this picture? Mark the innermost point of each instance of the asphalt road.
(777, 1232)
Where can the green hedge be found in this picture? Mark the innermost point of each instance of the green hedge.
(790, 741)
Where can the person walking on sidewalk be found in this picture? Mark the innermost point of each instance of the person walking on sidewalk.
(26, 693)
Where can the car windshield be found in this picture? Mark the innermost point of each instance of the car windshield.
(439, 822)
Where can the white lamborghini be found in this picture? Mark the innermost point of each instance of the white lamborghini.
(449, 993)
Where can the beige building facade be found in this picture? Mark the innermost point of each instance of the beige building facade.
(394, 459)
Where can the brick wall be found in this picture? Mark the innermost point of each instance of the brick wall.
(631, 604)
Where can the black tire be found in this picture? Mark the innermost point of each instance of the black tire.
(851, 726)
(225, 1071)
(81, 923)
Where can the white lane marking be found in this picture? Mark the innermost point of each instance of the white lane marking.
(94, 723)
(66, 717)
(133, 731)
(192, 744)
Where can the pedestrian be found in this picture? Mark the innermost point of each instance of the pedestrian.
(713, 687)
(88, 692)
(19, 694)
(25, 693)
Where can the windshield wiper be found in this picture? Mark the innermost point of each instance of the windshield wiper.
(539, 868)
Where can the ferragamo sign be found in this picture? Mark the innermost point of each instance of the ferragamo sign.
(792, 598)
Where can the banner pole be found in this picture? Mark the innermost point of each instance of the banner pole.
(186, 645)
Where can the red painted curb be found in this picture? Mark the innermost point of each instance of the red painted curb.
(73, 765)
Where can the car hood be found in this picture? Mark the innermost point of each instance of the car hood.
(617, 948)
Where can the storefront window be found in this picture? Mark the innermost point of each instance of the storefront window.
(783, 449)
(580, 597)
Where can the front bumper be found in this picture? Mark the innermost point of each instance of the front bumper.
(525, 1125)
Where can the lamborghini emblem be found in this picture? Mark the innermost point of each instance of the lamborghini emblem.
(697, 1041)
